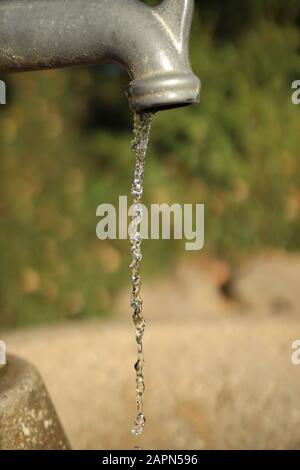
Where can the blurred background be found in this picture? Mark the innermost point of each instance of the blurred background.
(65, 148)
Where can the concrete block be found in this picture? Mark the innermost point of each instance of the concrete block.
(28, 420)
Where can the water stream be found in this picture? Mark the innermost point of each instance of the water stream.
(141, 132)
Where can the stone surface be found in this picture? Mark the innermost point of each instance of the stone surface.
(223, 383)
(28, 419)
(219, 371)
(269, 284)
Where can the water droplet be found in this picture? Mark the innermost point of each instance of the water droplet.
(139, 424)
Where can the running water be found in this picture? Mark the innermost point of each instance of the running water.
(141, 132)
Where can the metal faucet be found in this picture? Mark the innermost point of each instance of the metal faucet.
(151, 43)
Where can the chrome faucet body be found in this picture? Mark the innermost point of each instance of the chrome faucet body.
(151, 43)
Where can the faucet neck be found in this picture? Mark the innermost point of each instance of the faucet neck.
(148, 42)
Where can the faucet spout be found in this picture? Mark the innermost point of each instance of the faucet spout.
(152, 44)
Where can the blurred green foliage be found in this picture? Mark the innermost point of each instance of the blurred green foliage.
(65, 148)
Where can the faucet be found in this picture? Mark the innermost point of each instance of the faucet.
(151, 43)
